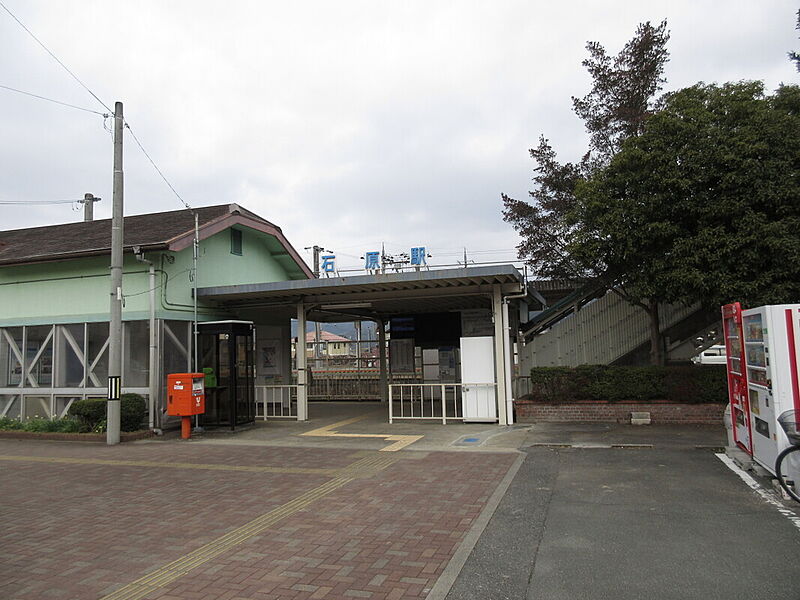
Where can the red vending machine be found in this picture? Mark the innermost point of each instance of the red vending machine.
(737, 376)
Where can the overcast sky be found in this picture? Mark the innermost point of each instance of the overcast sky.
(345, 123)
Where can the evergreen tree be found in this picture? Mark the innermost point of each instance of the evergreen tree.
(622, 96)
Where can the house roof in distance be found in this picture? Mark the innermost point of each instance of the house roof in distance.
(172, 230)
(326, 336)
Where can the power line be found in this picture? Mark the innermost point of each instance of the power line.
(84, 86)
(38, 41)
(10, 89)
(111, 112)
(40, 202)
(152, 162)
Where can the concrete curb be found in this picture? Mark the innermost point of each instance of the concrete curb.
(448, 577)
(15, 434)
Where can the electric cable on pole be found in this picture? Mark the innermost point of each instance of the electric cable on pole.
(317, 331)
(115, 321)
(117, 298)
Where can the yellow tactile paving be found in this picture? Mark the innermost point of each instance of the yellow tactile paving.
(400, 441)
(170, 465)
(327, 430)
(180, 567)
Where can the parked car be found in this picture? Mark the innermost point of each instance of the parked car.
(715, 355)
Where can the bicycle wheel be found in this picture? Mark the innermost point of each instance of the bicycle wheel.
(778, 462)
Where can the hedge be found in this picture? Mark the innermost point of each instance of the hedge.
(41, 425)
(92, 412)
(695, 384)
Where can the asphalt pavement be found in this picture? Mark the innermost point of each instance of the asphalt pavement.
(671, 521)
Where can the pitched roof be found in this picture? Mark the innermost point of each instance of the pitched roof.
(326, 336)
(172, 230)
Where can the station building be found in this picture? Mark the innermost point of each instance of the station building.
(444, 338)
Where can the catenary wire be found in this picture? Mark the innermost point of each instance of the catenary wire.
(40, 202)
(11, 89)
(38, 41)
(152, 162)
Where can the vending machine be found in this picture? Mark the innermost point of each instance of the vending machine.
(737, 378)
(770, 337)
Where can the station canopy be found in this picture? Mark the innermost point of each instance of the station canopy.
(373, 296)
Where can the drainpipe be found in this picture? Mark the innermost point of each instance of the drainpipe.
(153, 367)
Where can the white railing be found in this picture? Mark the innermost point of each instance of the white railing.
(439, 401)
(276, 402)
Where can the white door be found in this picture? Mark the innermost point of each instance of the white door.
(478, 400)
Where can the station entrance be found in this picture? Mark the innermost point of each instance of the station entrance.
(425, 367)
(225, 356)
(431, 345)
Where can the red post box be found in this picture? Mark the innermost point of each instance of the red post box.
(186, 396)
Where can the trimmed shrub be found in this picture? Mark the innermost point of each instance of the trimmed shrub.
(553, 383)
(133, 409)
(7, 424)
(92, 412)
(40, 424)
(694, 384)
(66, 425)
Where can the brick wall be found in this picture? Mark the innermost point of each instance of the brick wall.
(529, 411)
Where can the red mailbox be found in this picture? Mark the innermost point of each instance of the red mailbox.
(186, 397)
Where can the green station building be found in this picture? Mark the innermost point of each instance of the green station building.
(444, 346)
(54, 301)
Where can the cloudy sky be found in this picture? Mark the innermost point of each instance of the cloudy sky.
(349, 124)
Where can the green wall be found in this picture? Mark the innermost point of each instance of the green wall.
(78, 290)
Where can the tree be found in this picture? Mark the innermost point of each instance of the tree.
(624, 89)
(703, 205)
(622, 96)
(794, 56)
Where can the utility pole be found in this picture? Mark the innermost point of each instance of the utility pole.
(317, 250)
(88, 207)
(317, 354)
(195, 256)
(115, 322)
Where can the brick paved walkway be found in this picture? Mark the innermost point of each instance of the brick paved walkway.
(87, 521)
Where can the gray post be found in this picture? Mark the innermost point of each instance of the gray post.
(88, 207)
(115, 322)
(499, 354)
(153, 354)
(383, 371)
(509, 388)
(195, 256)
(316, 260)
(301, 363)
(317, 329)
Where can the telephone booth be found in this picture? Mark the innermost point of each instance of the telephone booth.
(226, 357)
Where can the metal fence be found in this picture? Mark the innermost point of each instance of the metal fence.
(276, 402)
(334, 382)
(341, 369)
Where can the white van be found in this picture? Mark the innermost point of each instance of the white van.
(715, 355)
